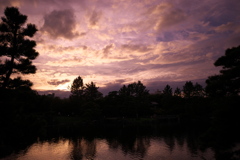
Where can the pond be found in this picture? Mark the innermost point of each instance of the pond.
(115, 143)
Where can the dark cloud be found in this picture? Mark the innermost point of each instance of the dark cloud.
(107, 49)
(36, 7)
(135, 47)
(121, 81)
(84, 47)
(222, 12)
(83, 34)
(60, 24)
(94, 18)
(56, 82)
(165, 16)
(171, 36)
(74, 59)
(174, 17)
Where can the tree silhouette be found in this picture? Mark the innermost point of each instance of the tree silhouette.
(167, 90)
(177, 92)
(91, 92)
(137, 89)
(112, 94)
(188, 89)
(191, 90)
(123, 91)
(77, 87)
(133, 98)
(17, 51)
(198, 90)
(18, 83)
(216, 86)
(228, 81)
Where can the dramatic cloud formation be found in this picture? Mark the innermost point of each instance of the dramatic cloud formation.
(56, 82)
(166, 16)
(112, 42)
(60, 24)
(94, 18)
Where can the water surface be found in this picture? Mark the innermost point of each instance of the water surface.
(101, 149)
(126, 143)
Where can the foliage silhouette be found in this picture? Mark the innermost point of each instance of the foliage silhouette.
(77, 87)
(167, 90)
(15, 48)
(190, 90)
(177, 92)
(87, 92)
(227, 83)
(91, 92)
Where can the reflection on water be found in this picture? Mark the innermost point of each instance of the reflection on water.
(101, 149)
(118, 144)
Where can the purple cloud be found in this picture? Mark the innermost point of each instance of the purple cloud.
(60, 24)
(56, 82)
(94, 18)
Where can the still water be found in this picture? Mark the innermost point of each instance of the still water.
(101, 149)
(116, 144)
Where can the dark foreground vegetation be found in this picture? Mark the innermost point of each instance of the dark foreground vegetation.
(25, 113)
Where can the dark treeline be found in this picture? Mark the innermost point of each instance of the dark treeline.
(132, 101)
(23, 109)
(25, 113)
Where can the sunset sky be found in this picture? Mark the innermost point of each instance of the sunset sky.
(116, 42)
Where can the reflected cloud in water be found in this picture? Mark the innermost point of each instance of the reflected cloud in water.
(131, 148)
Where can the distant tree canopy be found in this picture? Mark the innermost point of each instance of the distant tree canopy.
(86, 92)
(227, 83)
(167, 90)
(136, 89)
(16, 51)
(91, 92)
(177, 92)
(190, 90)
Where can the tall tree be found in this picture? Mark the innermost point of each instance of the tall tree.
(198, 90)
(216, 86)
(77, 87)
(177, 92)
(91, 92)
(137, 89)
(191, 90)
(188, 89)
(228, 81)
(167, 90)
(113, 94)
(123, 91)
(16, 50)
(18, 83)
